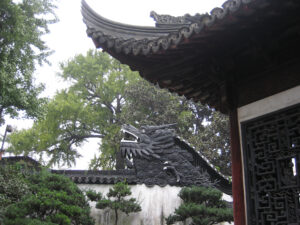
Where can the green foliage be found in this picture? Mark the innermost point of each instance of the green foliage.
(22, 25)
(93, 195)
(116, 200)
(103, 95)
(41, 198)
(203, 205)
(90, 108)
(12, 188)
(214, 142)
(53, 134)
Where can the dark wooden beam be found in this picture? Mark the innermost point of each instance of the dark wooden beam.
(267, 83)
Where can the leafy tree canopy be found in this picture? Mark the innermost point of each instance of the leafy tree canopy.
(41, 198)
(203, 205)
(90, 108)
(22, 24)
(102, 96)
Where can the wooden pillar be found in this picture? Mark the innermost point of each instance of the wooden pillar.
(237, 171)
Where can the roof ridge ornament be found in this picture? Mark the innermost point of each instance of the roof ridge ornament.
(165, 19)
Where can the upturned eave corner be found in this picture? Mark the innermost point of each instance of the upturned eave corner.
(194, 55)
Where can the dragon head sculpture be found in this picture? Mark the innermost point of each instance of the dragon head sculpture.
(158, 156)
(146, 142)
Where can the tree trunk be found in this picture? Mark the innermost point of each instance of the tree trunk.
(120, 165)
(116, 214)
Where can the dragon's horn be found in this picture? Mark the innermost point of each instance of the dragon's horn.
(159, 127)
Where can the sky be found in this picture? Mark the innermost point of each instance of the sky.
(68, 38)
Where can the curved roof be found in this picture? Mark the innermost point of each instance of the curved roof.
(215, 58)
(144, 40)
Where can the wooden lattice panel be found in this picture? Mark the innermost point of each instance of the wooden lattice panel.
(271, 146)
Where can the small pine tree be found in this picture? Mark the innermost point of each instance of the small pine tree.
(203, 205)
(115, 200)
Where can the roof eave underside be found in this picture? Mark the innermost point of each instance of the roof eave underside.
(198, 60)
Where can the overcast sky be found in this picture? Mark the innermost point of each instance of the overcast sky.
(68, 38)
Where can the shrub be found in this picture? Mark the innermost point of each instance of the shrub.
(42, 198)
(203, 205)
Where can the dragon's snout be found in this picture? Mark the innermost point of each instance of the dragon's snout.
(130, 142)
(135, 143)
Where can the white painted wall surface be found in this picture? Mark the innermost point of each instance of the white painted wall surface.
(156, 202)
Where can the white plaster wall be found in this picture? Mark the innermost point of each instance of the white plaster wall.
(156, 203)
(264, 106)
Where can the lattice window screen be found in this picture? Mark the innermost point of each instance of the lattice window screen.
(271, 146)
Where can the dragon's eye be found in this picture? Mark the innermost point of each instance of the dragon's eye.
(130, 137)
